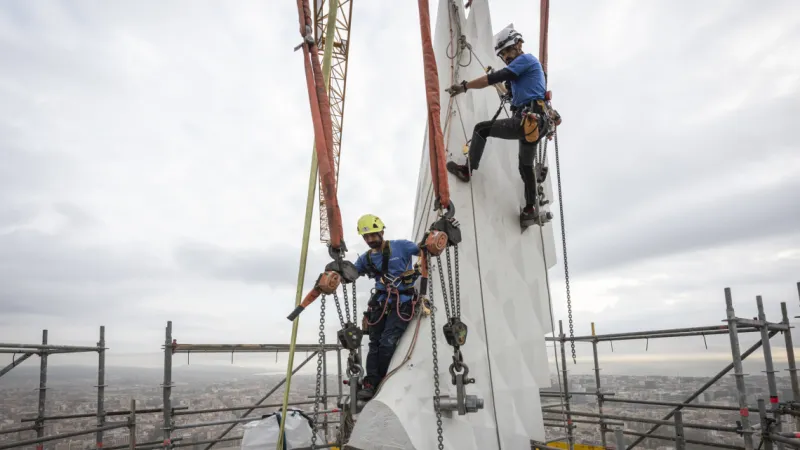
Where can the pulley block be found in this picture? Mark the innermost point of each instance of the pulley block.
(541, 172)
(328, 282)
(455, 332)
(436, 242)
(350, 336)
(450, 228)
(346, 270)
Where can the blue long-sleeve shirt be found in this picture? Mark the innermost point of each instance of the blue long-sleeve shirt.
(400, 261)
(526, 77)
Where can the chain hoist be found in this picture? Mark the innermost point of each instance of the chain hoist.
(337, 272)
(443, 234)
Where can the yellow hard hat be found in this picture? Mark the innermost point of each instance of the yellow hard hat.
(370, 224)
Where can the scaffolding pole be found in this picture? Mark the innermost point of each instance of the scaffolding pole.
(770, 368)
(790, 359)
(14, 363)
(131, 426)
(107, 414)
(673, 332)
(238, 408)
(167, 385)
(17, 430)
(42, 389)
(738, 372)
(44, 348)
(55, 437)
(699, 426)
(247, 348)
(682, 405)
(101, 387)
(600, 396)
(562, 339)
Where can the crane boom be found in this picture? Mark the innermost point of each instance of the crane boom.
(337, 85)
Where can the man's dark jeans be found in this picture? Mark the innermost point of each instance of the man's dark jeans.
(510, 128)
(383, 338)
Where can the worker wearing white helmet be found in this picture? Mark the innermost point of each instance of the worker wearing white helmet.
(525, 77)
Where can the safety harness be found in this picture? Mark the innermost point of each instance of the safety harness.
(536, 111)
(402, 285)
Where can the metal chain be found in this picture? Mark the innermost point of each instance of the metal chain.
(320, 354)
(338, 307)
(436, 390)
(544, 152)
(450, 281)
(564, 247)
(346, 304)
(458, 288)
(537, 158)
(355, 305)
(444, 286)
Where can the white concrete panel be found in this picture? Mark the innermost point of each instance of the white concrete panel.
(502, 276)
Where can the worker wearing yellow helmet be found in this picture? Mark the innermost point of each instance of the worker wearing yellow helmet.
(392, 304)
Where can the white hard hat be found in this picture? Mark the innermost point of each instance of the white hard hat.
(507, 37)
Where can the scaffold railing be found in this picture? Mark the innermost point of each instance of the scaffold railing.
(759, 426)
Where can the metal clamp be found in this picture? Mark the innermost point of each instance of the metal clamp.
(463, 403)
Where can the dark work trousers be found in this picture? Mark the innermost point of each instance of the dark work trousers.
(383, 338)
(509, 128)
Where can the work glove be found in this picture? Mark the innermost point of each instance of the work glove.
(457, 88)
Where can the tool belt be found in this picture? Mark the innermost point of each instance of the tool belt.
(538, 119)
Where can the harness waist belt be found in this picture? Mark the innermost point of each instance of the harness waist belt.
(403, 292)
(533, 105)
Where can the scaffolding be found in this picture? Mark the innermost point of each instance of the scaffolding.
(171, 414)
(763, 430)
(766, 427)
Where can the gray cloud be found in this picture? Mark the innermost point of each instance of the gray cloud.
(697, 224)
(276, 266)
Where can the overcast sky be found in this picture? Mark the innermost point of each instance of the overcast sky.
(154, 163)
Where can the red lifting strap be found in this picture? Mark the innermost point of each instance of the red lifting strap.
(321, 115)
(435, 139)
(544, 22)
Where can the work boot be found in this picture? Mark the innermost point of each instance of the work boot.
(366, 392)
(461, 172)
(528, 214)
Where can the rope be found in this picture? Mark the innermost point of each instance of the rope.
(480, 283)
(408, 354)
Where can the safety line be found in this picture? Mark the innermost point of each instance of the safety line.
(552, 318)
(541, 237)
(547, 280)
(480, 282)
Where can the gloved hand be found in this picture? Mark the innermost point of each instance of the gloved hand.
(457, 88)
(421, 244)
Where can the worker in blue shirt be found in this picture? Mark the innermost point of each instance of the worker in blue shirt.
(392, 304)
(524, 75)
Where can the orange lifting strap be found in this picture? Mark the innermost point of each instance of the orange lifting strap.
(321, 115)
(544, 22)
(435, 139)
